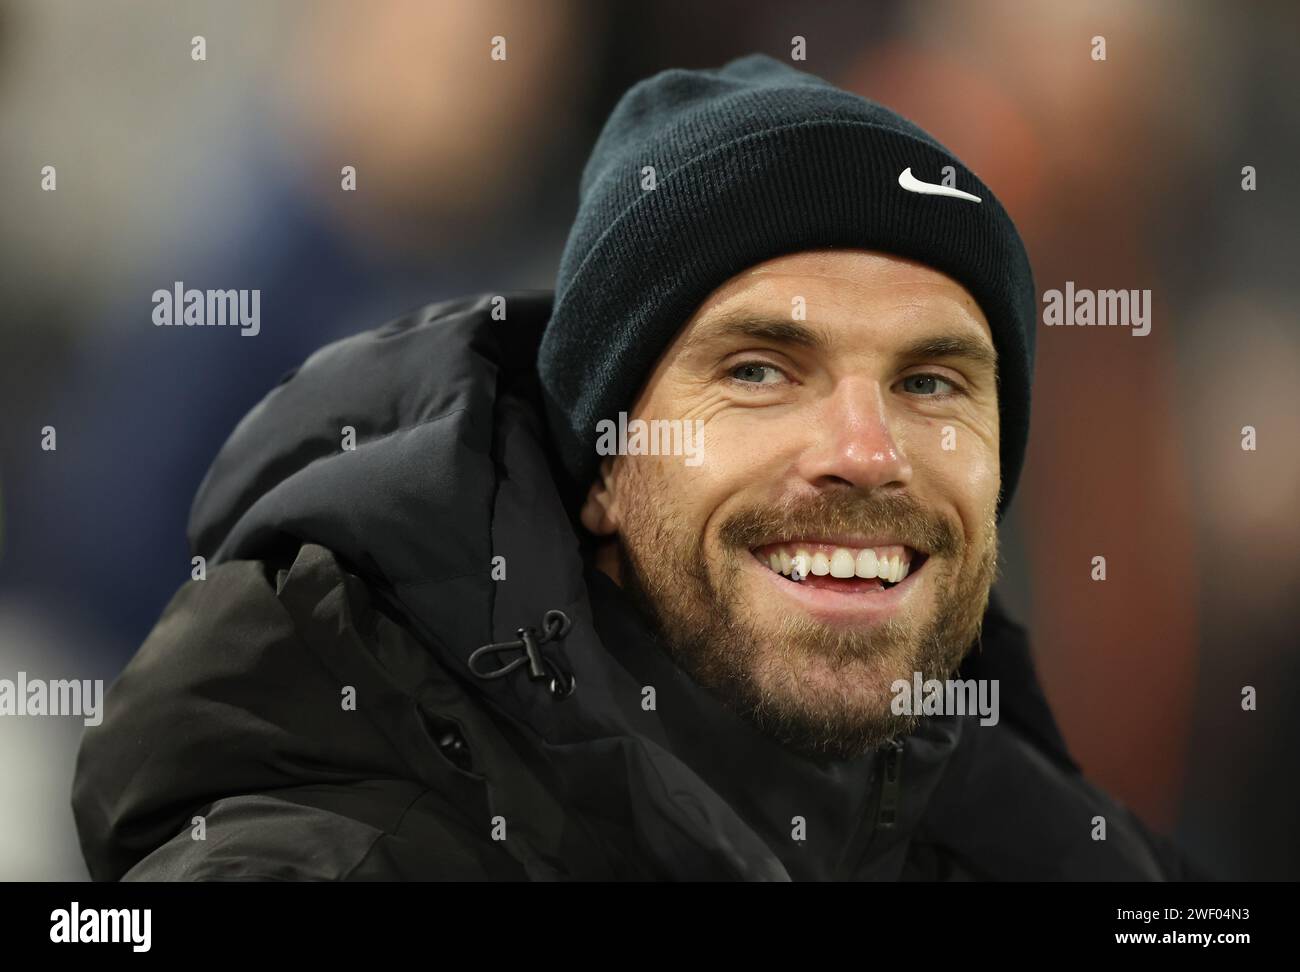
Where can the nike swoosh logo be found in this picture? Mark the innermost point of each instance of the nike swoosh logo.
(912, 184)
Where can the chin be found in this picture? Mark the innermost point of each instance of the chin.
(813, 680)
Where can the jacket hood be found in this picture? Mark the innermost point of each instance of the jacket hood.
(417, 453)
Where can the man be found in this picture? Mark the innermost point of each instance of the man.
(636, 583)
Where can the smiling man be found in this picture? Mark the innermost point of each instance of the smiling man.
(442, 633)
(836, 541)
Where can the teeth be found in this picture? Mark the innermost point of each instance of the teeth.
(841, 563)
(866, 564)
(891, 564)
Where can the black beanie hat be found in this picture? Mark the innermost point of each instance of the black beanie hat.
(752, 161)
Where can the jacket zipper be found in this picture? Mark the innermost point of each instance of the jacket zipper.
(890, 786)
(884, 817)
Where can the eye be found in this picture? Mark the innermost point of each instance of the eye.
(931, 385)
(756, 373)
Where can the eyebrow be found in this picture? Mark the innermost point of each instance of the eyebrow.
(951, 346)
(798, 335)
(761, 329)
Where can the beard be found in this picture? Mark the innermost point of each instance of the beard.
(817, 688)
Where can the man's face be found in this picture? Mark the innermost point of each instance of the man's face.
(848, 402)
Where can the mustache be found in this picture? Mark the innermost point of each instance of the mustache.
(898, 515)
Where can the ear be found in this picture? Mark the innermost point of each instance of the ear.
(599, 513)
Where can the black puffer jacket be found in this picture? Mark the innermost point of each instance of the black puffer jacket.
(308, 711)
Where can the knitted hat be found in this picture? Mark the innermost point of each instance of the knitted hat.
(752, 161)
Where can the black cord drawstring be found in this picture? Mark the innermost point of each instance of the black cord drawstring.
(555, 625)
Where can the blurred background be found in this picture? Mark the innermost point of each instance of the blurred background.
(1123, 173)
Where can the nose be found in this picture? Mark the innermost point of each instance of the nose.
(852, 442)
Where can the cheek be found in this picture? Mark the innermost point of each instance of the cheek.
(697, 497)
(742, 456)
(953, 464)
(666, 491)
